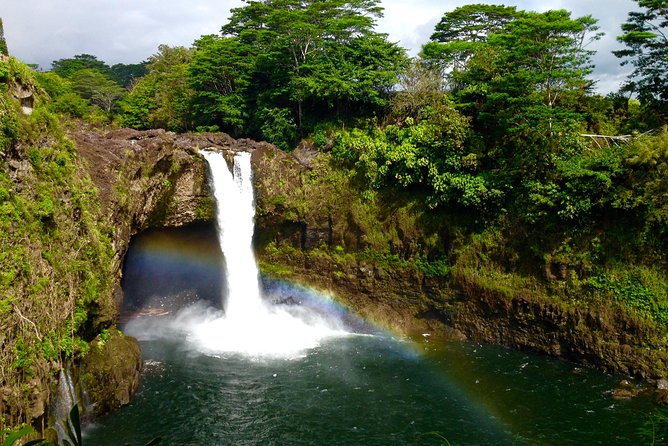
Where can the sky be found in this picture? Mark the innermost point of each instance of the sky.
(129, 31)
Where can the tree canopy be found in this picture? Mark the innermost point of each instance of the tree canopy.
(646, 39)
(461, 32)
(307, 61)
(67, 67)
(162, 97)
(3, 42)
(126, 74)
(98, 88)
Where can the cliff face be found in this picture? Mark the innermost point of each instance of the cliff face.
(154, 179)
(55, 253)
(69, 206)
(145, 179)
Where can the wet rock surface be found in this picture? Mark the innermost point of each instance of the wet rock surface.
(111, 371)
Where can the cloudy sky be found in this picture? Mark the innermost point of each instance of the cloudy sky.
(128, 31)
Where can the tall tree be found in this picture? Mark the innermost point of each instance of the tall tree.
(522, 87)
(99, 89)
(547, 53)
(646, 39)
(420, 87)
(3, 42)
(162, 98)
(461, 32)
(67, 67)
(219, 75)
(126, 74)
(310, 52)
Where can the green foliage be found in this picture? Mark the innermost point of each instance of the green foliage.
(55, 263)
(9, 124)
(63, 97)
(430, 268)
(577, 189)
(520, 86)
(68, 67)
(126, 74)
(162, 98)
(73, 426)
(316, 59)
(3, 42)
(655, 428)
(278, 127)
(4, 71)
(431, 156)
(420, 88)
(19, 436)
(219, 75)
(646, 41)
(649, 161)
(648, 299)
(97, 87)
(461, 33)
(85, 87)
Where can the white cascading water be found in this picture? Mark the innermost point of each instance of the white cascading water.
(248, 327)
(64, 400)
(236, 214)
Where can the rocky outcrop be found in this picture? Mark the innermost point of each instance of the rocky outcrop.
(110, 371)
(597, 336)
(406, 301)
(144, 179)
(411, 302)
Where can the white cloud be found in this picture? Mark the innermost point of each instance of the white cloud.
(128, 31)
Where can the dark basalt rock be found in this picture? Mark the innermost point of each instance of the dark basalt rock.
(145, 179)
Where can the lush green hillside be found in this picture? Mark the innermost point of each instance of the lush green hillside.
(55, 250)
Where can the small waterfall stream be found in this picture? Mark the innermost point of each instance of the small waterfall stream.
(65, 398)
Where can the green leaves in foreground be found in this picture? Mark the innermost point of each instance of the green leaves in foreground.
(73, 427)
(24, 432)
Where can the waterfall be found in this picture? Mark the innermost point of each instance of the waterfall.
(62, 403)
(248, 326)
(233, 193)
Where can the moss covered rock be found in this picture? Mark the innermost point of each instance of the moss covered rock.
(111, 371)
